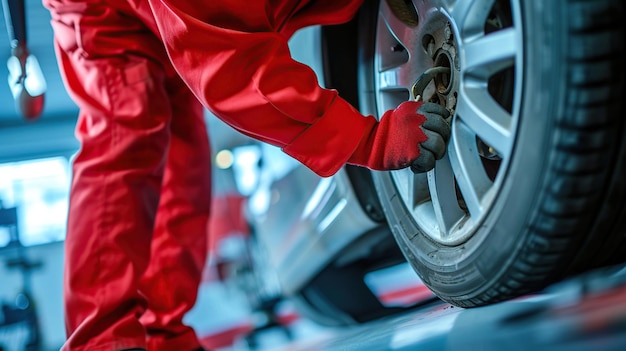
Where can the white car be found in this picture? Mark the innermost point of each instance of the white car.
(531, 190)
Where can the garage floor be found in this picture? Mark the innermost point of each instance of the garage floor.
(583, 313)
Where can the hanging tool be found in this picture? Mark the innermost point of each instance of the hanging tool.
(26, 79)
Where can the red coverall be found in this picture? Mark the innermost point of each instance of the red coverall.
(142, 174)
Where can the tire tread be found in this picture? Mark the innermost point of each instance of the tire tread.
(580, 224)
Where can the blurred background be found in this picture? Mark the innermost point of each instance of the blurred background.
(35, 172)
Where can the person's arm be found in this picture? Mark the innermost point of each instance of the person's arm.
(249, 80)
(243, 72)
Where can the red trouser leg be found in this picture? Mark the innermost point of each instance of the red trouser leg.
(179, 247)
(118, 75)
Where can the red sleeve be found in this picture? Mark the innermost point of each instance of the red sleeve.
(243, 72)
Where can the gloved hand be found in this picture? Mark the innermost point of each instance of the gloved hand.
(413, 135)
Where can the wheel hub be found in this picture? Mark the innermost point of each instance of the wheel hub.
(444, 90)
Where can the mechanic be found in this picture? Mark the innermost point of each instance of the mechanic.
(141, 73)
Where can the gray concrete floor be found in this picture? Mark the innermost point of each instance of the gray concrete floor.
(584, 313)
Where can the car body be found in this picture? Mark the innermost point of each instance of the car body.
(532, 188)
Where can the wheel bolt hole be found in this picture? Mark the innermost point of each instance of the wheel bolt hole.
(443, 81)
(428, 43)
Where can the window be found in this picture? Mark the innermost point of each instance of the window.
(39, 190)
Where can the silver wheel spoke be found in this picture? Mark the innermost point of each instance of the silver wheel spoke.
(486, 118)
(491, 53)
(471, 177)
(399, 78)
(470, 16)
(483, 58)
(404, 34)
(444, 198)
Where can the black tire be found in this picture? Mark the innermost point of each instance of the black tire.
(555, 203)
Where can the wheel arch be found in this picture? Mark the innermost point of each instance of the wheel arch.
(340, 52)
